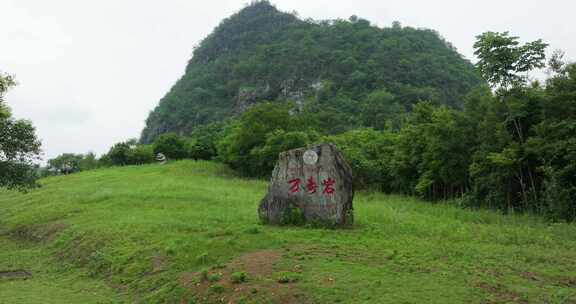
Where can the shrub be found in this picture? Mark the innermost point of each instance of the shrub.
(202, 143)
(214, 277)
(370, 154)
(171, 145)
(119, 154)
(216, 288)
(293, 216)
(141, 154)
(238, 277)
(251, 144)
(288, 277)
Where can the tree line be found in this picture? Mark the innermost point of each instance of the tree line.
(511, 147)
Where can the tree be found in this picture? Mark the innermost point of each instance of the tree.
(381, 111)
(251, 144)
(66, 163)
(172, 145)
(88, 162)
(502, 58)
(19, 147)
(140, 154)
(276, 142)
(369, 153)
(118, 154)
(506, 175)
(202, 143)
(555, 144)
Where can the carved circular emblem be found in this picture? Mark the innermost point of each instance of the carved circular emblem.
(310, 157)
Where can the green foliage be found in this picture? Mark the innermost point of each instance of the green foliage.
(171, 145)
(238, 277)
(261, 54)
(140, 154)
(370, 154)
(118, 154)
(276, 142)
(502, 59)
(202, 141)
(293, 217)
(214, 277)
(69, 163)
(66, 163)
(252, 143)
(204, 275)
(216, 288)
(381, 111)
(288, 277)
(19, 147)
(128, 153)
(88, 162)
(554, 145)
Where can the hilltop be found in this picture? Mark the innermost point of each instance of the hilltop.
(182, 233)
(263, 54)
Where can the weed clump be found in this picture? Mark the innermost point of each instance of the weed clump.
(214, 277)
(288, 277)
(216, 288)
(204, 275)
(238, 277)
(293, 217)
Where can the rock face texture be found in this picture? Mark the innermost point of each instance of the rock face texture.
(309, 185)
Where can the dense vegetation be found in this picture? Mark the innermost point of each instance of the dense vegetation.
(334, 68)
(19, 147)
(511, 148)
(188, 232)
(505, 145)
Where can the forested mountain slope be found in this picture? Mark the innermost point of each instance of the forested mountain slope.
(262, 54)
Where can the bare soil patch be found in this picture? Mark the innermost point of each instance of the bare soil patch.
(501, 294)
(37, 233)
(261, 285)
(19, 274)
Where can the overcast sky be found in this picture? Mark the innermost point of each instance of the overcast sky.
(89, 72)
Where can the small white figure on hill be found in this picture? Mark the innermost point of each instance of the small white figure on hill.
(161, 158)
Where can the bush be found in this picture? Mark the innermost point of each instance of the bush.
(139, 155)
(265, 156)
(202, 143)
(214, 277)
(293, 217)
(171, 145)
(216, 288)
(370, 154)
(118, 154)
(252, 143)
(288, 277)
(238, 277)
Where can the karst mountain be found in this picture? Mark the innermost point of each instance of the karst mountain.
(263, 54)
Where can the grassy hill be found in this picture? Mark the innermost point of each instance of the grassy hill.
(181, 233)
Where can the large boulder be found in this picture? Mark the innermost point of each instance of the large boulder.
(309, 185)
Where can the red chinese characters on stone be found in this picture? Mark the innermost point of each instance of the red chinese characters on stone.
(311, 185)
(328, 186)
(295, 185)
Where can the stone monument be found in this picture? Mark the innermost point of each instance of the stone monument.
(161, 158)
(314, 183)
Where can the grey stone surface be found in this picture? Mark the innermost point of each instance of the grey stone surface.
(319, 187)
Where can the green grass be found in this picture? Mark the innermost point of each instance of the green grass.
(129, 234)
